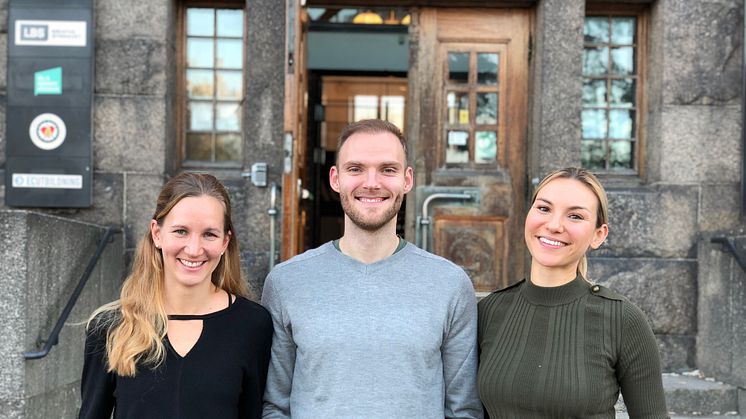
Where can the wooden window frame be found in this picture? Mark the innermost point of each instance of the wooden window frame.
(472, 88)
(641, 13)
(181, 93)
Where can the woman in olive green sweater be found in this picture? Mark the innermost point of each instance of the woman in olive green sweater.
(554, 345)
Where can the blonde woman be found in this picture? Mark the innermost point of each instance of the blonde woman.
(554, 345)
(182, 341)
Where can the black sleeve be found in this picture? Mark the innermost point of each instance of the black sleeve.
(255, 379)
(97, 385)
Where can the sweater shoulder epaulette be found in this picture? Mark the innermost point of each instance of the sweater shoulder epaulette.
(606, 293)
(509, 287)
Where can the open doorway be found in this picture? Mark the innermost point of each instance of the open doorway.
(335, 101)
(357, 66)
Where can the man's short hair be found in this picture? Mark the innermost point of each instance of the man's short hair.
(372, 126)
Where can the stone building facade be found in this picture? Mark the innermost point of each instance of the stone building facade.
(681, 188)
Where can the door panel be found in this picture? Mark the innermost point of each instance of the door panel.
(468, 84)
(478, 244)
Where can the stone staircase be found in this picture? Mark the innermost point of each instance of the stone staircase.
(689, 395)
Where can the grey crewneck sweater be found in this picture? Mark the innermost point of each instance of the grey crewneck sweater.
(391, 339)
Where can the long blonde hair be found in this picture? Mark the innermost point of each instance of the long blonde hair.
(137, 322)
(591, 181)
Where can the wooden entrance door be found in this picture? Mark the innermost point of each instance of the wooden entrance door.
(467, 125)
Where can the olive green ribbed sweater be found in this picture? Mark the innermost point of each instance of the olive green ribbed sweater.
(565, 352)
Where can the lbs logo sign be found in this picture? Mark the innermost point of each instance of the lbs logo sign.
(34, 32)
(51, 33)
(47, 131)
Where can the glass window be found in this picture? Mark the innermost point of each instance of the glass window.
(471, 99)
(214, 84)
(610, 96)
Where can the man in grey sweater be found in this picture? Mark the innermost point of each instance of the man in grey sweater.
(370, 326)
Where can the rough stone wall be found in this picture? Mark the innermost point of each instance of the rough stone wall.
(134, 142)
(555, 86)
(40, 269)
(263, 127)
(132, 105)
(721, 344)
(690, 178)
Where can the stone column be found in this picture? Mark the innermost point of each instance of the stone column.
(557, 85)
(263, 125)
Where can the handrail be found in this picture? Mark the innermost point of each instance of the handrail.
(731, 246)
(53, 338)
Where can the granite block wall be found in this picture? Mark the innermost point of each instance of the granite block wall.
(47, 257)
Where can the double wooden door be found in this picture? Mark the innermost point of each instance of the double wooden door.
(466, 121)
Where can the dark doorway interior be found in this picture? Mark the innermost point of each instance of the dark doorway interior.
(336, 99)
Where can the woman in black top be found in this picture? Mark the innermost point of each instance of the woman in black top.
(182, 341)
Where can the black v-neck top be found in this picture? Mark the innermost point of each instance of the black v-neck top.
(222, 376)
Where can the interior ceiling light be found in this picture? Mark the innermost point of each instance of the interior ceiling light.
(367, 17)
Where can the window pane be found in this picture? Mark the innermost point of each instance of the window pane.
(487, 68)
(228, 117)
(623, 92)
(621, 123)
(366, 107)
(595, 61)
(230, 23)
(229, 85)
(593, 155)
(487, 108)
(594, 92)
(458, 67)
(198, 147)
(228, 147)
(596, 30)
(230, 53)
(623, 60)
(458, 108)
(457, 150)
(623, 30)
(621, 155)
(200, 116)
(485, 148)
(199, 84)
(594, 123)
(199, 52)
(393, 110)
(200, 22)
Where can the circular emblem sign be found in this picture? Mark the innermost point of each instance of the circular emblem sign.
(47, 131)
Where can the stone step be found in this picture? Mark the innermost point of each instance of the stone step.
(690, 396)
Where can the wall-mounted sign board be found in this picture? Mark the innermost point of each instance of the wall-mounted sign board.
(49, 112)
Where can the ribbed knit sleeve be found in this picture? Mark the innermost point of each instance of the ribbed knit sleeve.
(639, 368)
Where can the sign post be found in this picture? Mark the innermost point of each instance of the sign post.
(49, 113)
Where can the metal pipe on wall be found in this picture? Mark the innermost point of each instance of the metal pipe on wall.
(272, 211)
(424, 219)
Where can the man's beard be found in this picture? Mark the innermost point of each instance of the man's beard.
(370, 225)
